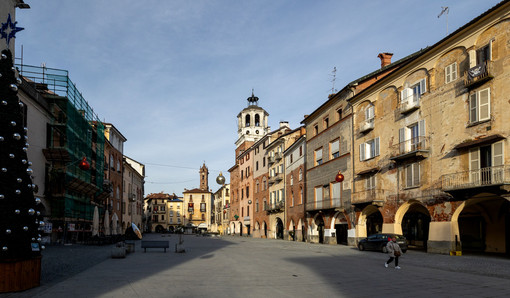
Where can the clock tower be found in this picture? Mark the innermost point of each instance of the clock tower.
(251, 122)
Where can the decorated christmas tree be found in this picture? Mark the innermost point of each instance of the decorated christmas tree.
(19, 215)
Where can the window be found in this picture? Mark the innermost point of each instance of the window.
(339, 114)
(369, 114)
(264, 161)
(412, 172)
(326, 123)
(301, 195)
(413, 93)
(335, 193)
(247, 172)
(300, 174)
(162, 217)
(479, 106)
(485, 164)
(300, 150)
(203, 216)
(257, 189)
(203, 198)
(450, 73)
(291, 158)
(257, 206)
(242, 175)
(202, 207)
(247, 120)
(334, 149)
(315, 129)
(257, 120)
(318, 156)
(257, 165)
(411, 138)
(291, 180)
(291, 198)
(318, 194)
(370, 182)
(484, 54)
(369, 149)
(264, 183)
(247, 191)
(171, 213)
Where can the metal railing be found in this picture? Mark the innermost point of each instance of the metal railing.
(370, 195)
(274, 206)
(409, 104)
(478, 73)
(367, 125)
(324, 204)
(476, 178)
(414, 144)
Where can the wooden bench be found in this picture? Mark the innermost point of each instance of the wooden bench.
(154, 244)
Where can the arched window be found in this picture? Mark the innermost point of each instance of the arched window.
(300, 174)
(291, 180)
(247, 121)
(257, 120)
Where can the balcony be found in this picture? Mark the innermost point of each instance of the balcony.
(414, 147)
(409, 105)
(491, 176)
(278, 156)
(372, 196)
(367, 125)
(270, 160)
(275, 207)
(478, 75)
(324, 204)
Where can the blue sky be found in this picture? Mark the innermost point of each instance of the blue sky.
(173, 75)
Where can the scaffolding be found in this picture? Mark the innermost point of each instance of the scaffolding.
(74, 133)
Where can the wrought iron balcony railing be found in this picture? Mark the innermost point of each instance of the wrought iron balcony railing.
(369, 196)
(478, 74)
(407, 147)
(275, 207)
(324, 204)
(367, 125)
(409, 105)
(489, 176)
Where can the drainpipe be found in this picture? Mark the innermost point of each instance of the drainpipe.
(353, 187)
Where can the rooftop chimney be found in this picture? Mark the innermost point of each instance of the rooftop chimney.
(284, 124)
(385, 59)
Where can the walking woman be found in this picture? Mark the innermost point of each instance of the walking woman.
(394, 252)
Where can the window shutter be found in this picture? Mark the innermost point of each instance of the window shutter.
(490, 51)
(484, 102)
(335, 147)
(473, 108)
(362, 151)
(497, 154)
(376, 144)
(472, 58)
(416, 174)
(423, 86)
(448, 74)
(421, 128)
(370, 112)
(454, 71)
(404, 94)
(474, 165)
(318, 154)
(409, 175)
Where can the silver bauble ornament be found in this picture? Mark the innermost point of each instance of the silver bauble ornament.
(33, 239)
(1, 139)
(25, 228)
(25, 149)
(2, 197)
(24, 161)
(29, 163)
(11, 155)
(27, 145)
(14, 87)
(16, 136)
(25, 129)
(39, 239)
(8, 231)
(18, 191)
(37, 201)
(4, 103)
(41, 223)
(13, 69)
(4, 56)
(13, 123)
(19, 180)
(31, 211)
(21, 105)
(4, 170)
(43, 247)
(38, 213)
(5, 248)
(17, 211)
(30, 171)
(18, 81)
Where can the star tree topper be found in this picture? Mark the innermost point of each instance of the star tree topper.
(9, 29)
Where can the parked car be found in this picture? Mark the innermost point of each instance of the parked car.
(379, 241)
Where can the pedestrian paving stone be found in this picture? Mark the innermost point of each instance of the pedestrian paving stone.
(247, 267)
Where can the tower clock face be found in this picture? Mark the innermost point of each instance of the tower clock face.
(247, 132)
(257, 131)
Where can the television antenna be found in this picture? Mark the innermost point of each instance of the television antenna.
(444, 10)
(333, 74)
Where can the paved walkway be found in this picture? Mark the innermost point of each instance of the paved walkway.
(246, 267)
